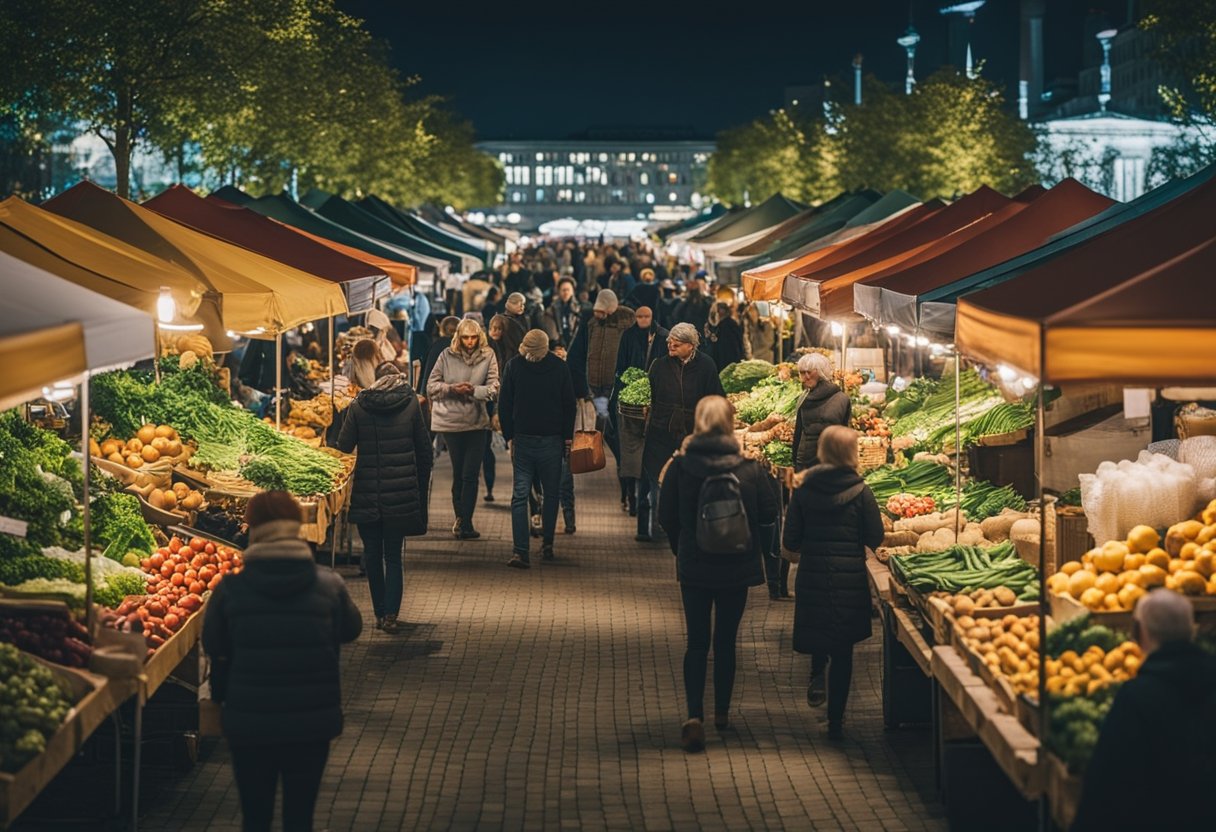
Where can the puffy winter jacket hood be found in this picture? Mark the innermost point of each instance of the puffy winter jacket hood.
(706, 455)
(278, 564)
(388, 395)
(831, 485)
(1182, 667)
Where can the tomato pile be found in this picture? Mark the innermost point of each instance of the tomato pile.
(910, 505)
(178, 576)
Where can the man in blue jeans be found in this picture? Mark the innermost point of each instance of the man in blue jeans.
(536, 408)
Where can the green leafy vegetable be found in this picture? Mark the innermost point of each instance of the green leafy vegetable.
(779, 453)
(118, 525)
(742, 376)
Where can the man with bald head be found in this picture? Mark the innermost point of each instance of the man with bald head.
(1159, 737)
(640, 345)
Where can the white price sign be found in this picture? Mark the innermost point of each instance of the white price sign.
(10, 525)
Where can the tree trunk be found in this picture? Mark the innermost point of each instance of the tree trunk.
(124, 143)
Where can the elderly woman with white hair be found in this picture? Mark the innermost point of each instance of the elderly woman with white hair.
(822, 405)
(1159, 736)
(678, 381)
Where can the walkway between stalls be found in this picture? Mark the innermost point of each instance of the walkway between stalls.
(553, 698)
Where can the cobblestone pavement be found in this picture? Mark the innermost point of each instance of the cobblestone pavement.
(552, 698)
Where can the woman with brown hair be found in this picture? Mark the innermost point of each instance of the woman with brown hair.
(273, 633)
(712, 582)
(361, 366)
(831, 519)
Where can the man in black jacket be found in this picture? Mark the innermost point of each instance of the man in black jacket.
(1159, 737)
(641, 345)
(536, 407)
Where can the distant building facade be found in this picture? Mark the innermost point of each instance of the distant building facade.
(599, 178)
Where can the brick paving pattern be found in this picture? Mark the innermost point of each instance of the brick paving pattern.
(552, 698)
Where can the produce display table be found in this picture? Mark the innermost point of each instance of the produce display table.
(1013, 748)
(100, 697)
(169, 655)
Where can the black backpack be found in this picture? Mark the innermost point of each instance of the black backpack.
(722, 527)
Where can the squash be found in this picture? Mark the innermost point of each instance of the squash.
(1190, 582)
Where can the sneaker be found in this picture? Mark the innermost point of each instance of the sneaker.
(546, 552)
(489, 498)
(692, 736)
(817, 692)
(389, 624)
(518, 563)
(469, 534)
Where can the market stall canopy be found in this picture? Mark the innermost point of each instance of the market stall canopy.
(849, 218)
(1140, 332)
(257, 295)
(724, 250)
(891, 299)
(766, 282)
(686, 234)
(360, 281)
(233, 194)
(51, 329)
(286, 210)
(443, 219)
(105, 265)
(393, 215)
(1007, 323)
(772, 211)
(714, 212)
(355, 218)
(936, 307)
(803, 286)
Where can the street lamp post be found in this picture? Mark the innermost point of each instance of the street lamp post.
(1105, 37)
(967, 10)
(908, 42)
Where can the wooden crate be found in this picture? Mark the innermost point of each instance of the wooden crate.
(1072, 535)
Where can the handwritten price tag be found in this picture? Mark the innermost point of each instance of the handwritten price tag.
(17, 528)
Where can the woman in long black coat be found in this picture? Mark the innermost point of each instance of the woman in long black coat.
(832, 518)
(388, 500)
(677, 382)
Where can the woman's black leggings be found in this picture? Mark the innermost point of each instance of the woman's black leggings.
(838, 664)
(703, 627)
(467, 448)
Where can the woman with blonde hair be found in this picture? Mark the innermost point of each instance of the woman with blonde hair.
(831, 520)
(710, 463)
(463, 381)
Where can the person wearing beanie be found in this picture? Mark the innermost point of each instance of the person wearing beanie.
(641, 345)
(272, 632)
(538, 436)
(593, 368)
(464, 380)
(677, 382)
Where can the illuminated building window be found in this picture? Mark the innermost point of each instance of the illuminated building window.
(650, 199)
(540, 194)
(673, 196)
(672, 178)
(643, 178)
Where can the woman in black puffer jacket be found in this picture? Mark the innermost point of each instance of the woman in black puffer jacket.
(709, 581)
(832, 518)
(272, 632)
(392, 473)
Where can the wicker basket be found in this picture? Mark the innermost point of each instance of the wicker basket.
(872, 451)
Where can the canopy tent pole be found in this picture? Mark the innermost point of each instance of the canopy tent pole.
(958, 447)
(87, 516)
(278, 380)
(155, 353)
(1040, 456)
(781, 331)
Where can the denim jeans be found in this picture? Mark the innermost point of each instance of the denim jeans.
(383, 549)
(648, 505)
(535, 458)
(567, 489)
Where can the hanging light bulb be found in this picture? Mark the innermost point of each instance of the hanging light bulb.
(166, 307)
(893, 330)
(837, 329)
(1029, 383)
(1007, 374)
(922, 341)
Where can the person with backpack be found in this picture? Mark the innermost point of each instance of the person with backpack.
(716, 505)
(831, 520)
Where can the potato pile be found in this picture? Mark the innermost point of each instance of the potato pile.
(1009, 646)
(965, 604)
(1116, 574)
(151, 444)
(179, 498)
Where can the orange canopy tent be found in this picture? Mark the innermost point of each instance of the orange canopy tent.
(805, 287)
(765, 282)
(1062, 320)
(891, 297)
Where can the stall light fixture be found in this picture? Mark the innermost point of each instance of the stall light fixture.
(922, 341)
(1006, 373)
(232, 335)
(166, 307)
(1029, 383)
(182, 327)
(837, 329)
(57, 393)
(893, 330)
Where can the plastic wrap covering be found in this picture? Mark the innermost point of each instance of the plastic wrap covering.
(1199, 452)
(1154, 490)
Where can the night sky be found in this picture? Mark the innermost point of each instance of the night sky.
(547, 69)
